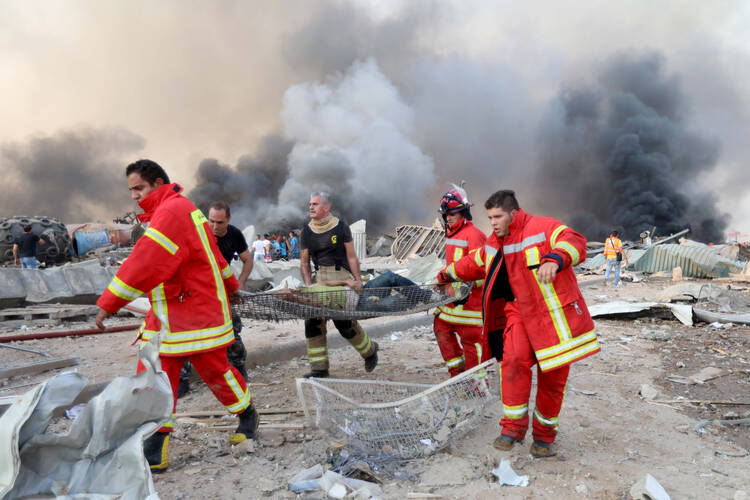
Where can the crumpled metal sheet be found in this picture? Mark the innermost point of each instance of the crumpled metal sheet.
(695, 261)
(101, 457)
(683, 312)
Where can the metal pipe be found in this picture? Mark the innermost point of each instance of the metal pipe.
(69, 333)
(26, 349)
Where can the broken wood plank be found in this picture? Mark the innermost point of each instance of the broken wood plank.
(39, 367)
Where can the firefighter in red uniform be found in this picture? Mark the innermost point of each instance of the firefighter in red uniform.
(178, 264)
(534, 313)
(458, 326)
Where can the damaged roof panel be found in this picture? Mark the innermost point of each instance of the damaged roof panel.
(695, 261)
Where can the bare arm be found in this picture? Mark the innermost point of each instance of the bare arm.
(304, 267)
(15, 252)
(247, 268)
(351, 257)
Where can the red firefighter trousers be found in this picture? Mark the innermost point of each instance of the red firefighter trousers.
(224, 380)
(464, 355)
(518, 359)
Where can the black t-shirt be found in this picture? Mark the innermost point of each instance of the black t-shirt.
(231, 243)
(323, 246)
(27, 245)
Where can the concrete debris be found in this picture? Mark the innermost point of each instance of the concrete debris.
(507, 476)
(683, 313)
(79, 283)
(423, 270)
(382, 247)
(648, 488)
(648, 392)
(102, 454)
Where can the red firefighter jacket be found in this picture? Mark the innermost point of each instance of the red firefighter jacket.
(459, 242)
(178, 264)
(554, 314)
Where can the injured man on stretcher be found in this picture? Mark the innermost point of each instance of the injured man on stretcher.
(386, 293)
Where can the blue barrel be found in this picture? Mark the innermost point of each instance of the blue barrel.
(89, 240)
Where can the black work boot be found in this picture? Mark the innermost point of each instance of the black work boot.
(155, 449)
(317, 374)
(183, 388)
(249, 422)
(371, 361)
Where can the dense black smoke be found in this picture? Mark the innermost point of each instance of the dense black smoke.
(73, 175)
(618, 155)
(250, 187)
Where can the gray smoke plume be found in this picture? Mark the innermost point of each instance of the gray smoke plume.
(352, 138)
(619, 155)
(73, 175)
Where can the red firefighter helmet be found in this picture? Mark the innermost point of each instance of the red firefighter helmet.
(455, 201)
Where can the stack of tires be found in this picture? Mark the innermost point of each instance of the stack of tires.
(52, 231)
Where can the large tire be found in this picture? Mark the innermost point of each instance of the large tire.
(51, 230)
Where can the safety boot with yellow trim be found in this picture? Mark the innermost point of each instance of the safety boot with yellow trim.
(155, 450)
(249, 422)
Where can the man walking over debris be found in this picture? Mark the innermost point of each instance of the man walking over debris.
(232, 245)
(534, 313)
(179, 265)
(328, 242)
(614, 255)
(24, 249)
(458, 326)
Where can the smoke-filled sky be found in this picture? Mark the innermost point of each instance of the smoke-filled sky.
(603, 114)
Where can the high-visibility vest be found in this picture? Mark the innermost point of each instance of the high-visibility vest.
(612, 247)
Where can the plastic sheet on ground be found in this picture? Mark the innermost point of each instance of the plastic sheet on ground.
(506, 475)
(102, 455)
(683, 313)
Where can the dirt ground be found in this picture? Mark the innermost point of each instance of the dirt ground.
(609, 436)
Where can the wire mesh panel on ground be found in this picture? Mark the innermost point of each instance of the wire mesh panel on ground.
(398, 420)
(345, 303)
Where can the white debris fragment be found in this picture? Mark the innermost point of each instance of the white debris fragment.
(648, 392)
(648, 488)
(506, 475)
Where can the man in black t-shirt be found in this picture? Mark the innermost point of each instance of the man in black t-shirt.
(328, 243)
(232, 245)
(24, 249)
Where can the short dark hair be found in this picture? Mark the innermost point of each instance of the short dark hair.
(149, 170)
(27, 228)
(220, 205)
(505, 199)
(615, 233)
